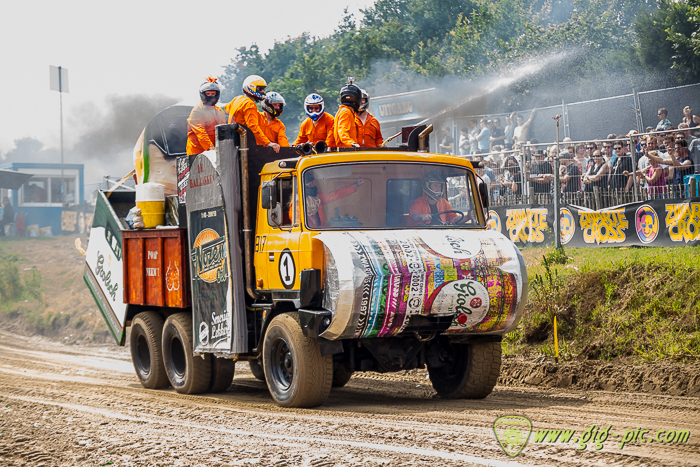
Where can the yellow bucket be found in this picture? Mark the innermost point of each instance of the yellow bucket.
(150, 199)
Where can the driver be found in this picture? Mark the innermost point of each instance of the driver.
(315, 200)
(424, 209)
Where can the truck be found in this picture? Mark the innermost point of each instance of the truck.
(310, 266)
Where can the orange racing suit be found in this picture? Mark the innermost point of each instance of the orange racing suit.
(201, 126)
(321, 131)
(347, 127)
(242, 110)
(371, 132)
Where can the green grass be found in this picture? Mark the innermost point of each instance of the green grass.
(631, 304)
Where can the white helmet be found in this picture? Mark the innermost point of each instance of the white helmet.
(273, 98)
(313, 99)
(254, 86)
(364, 105)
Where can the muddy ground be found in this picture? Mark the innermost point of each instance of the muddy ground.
(69, 397)
(81, 405)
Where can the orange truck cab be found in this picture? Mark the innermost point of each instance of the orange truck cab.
(313, 267)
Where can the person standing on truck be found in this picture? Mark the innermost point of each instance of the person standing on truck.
(242, 109)
(204, 117)
(274, 129)
(424, 209)
(371, 134)
(319, 124)
(347, 128)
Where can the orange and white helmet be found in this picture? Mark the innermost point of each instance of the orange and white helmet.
(254, 86)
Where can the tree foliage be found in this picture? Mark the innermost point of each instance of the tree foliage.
(399, 45)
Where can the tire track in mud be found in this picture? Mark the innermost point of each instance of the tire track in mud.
(57, 416)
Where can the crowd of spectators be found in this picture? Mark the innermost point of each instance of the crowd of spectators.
(662, 158)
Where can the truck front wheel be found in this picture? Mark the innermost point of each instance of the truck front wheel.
(187, 374)
(466, 371)
(296, 373)
(146, 350)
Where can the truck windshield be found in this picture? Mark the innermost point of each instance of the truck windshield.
(383, 195)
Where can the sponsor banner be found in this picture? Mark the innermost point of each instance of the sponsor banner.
(210, 266)
(104, 267)
(385, 277)
(647, 223)
(77, 219)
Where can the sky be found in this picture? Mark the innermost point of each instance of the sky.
(127, 48)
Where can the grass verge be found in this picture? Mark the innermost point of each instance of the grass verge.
(627, 304)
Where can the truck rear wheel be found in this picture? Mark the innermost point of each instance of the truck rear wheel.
(470, 371)
(222, 370)
(341, 375)
(296, 373)
(146, 350)
(257, 369)
(187, 374)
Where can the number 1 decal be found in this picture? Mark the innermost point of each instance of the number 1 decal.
(287, 269)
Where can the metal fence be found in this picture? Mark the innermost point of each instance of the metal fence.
(598, 118)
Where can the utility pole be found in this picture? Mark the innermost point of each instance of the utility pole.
(59, 82)
(557, 233)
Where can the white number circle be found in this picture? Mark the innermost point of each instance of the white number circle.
(287, 269)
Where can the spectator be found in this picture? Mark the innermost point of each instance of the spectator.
(623, 164)
(473, 125)
(685, 133)
(465, 147)
(589, 162)
(635, 139)
(647, 144)
(498, 135)
(688, 117)
(681, 161)
(447, 143)
(598, 173)
(541, 173)
(611, 159)
(571, 179)
(521, 130)
(508, 131)
(484, 137)
(654, 177)
(664, 122)
(608, 152)
(488, 170)
(8, 215)
(512, 176)
(580, 156)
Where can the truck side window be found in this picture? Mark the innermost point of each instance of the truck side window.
(282, 212)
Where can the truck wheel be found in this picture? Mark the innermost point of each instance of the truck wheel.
(187, 374)
(471, 370)
(257, 369)
(341, 376)
(222, 370)
(146, 350)
(296, 373)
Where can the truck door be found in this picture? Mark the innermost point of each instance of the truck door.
(277, 242)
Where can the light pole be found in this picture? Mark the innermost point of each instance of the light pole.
(59, 82)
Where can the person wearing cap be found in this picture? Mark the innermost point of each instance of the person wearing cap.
(203, 119)
(540, 173)
(571, 179)
(484, 137)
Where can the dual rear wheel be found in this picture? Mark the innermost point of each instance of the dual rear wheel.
(162, 355)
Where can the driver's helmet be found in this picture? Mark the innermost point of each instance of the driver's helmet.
(429, 179)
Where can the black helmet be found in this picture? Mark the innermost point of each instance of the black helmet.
(209, 85)
(351, 95)
(433, 177)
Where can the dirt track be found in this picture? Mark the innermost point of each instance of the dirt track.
(82, 405)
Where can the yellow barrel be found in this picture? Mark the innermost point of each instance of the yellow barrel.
(150, 199)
